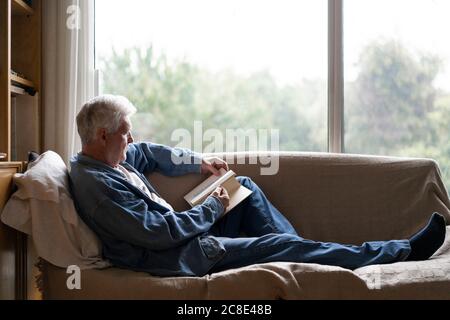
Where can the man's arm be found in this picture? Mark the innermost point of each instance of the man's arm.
(130, 220)
(148, 157)
(169, 161)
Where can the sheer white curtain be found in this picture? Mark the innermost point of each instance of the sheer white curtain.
(68, 70)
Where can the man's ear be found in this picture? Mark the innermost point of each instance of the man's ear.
(101, 135)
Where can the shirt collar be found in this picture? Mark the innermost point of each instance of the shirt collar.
(89, 161)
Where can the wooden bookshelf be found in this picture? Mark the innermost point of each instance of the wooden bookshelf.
(17, 91)
(22, 81)
(5, 79)
(12, 272)
(20, 126)
(19, 7)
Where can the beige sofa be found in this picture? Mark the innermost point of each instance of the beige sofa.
(327, 197)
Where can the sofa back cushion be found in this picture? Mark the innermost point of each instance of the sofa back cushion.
(334, 197)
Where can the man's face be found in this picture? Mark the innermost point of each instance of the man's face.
(117, 143)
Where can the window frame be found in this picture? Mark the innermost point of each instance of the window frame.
(335, 77)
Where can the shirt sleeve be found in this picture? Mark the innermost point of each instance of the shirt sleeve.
(148, 157)
(130, 220)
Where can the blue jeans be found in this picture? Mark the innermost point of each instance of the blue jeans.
(256, 232)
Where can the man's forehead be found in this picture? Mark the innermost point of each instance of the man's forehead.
(126, 123)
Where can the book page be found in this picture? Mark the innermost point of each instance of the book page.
(236, 192)
(227, 180)
(203, 190)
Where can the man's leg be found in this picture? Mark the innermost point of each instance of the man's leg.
(255, 216)
(290, 248)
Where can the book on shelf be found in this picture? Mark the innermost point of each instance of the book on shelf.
(226, 179)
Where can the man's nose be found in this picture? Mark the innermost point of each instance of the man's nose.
(130, 138)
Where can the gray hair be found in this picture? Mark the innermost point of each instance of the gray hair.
(106, 111)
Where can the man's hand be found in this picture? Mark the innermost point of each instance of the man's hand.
(222, 194)
(213, 165)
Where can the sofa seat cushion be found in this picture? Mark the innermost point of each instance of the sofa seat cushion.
(428, 279)
(264, 281)
(404, 280)
(120, 284)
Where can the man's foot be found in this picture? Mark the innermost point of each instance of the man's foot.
(428, 240)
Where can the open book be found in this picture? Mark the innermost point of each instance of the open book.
(227, 180)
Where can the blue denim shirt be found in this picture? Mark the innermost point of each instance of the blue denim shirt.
(136, 232)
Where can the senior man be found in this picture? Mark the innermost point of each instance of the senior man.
(139, 230)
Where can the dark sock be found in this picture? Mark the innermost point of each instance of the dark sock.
(428, 240)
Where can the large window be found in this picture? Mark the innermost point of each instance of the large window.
(397, 79)
(209, 66)
(216, 65)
